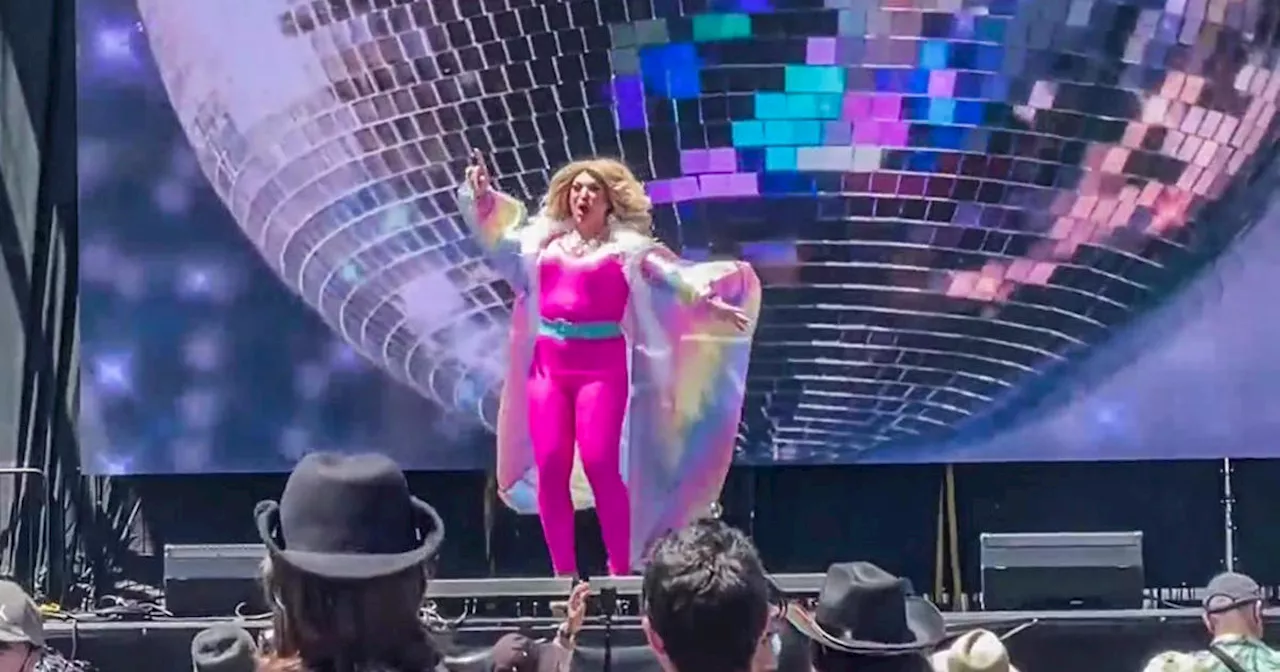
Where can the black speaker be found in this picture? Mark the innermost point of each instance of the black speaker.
(1091, 570)
(213, 579)
(218, 580)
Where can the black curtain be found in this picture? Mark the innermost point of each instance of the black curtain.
(59, 532)
(804, 518)
(1176, 504)
(1256, 503)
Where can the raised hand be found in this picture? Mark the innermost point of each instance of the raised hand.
(478, 175)
(577, 611)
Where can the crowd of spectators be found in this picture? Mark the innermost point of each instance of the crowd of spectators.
(349, 554)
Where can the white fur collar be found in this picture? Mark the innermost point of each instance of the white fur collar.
(621, 238)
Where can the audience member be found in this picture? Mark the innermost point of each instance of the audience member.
(21, 629)
(22, 641)
(518, 653)
(868, 620)
(224, 648)
(1233, 615)
(974, 651)
(706, 601)
(345, 573)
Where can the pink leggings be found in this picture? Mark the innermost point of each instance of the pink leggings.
(586, 408)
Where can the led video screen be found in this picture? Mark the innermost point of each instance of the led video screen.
(986, 229)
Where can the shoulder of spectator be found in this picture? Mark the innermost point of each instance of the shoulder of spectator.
(1202, 657)
(1254, 655)
(555, 655)
(555, 646)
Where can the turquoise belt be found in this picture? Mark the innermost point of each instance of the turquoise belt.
(564, 330)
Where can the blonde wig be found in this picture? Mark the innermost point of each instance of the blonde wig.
(629, 206)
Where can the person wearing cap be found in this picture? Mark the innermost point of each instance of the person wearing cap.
(346, 568)
(22, 642)
(1233, 616)
(705, 601)
(868, 620)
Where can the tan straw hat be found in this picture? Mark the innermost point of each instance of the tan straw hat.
(974, 651)
(1174, 661)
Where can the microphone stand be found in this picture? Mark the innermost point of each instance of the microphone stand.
(608, 605)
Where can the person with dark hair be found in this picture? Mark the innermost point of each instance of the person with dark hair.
(868, 620)
(706, 601)
(346, 568)
(1233, 615)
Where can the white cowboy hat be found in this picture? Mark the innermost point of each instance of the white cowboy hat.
(974, 651)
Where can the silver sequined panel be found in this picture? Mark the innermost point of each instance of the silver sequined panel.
(948, 199)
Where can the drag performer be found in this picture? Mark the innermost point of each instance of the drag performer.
(627, 365)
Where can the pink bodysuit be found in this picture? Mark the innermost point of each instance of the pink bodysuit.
(578, 387)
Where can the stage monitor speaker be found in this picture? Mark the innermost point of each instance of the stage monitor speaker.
(213, 579)
(1064, 570)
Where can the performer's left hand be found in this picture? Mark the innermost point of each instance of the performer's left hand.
(729, 313)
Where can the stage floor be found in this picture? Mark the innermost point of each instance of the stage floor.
(1051, 641)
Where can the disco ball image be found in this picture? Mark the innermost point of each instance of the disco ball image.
(949, 201)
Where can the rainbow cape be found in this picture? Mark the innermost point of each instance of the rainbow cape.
(688, 376)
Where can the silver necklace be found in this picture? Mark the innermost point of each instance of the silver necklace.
(580, 246)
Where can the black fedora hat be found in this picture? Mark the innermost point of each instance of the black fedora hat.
(349, 517)
(864, 609)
